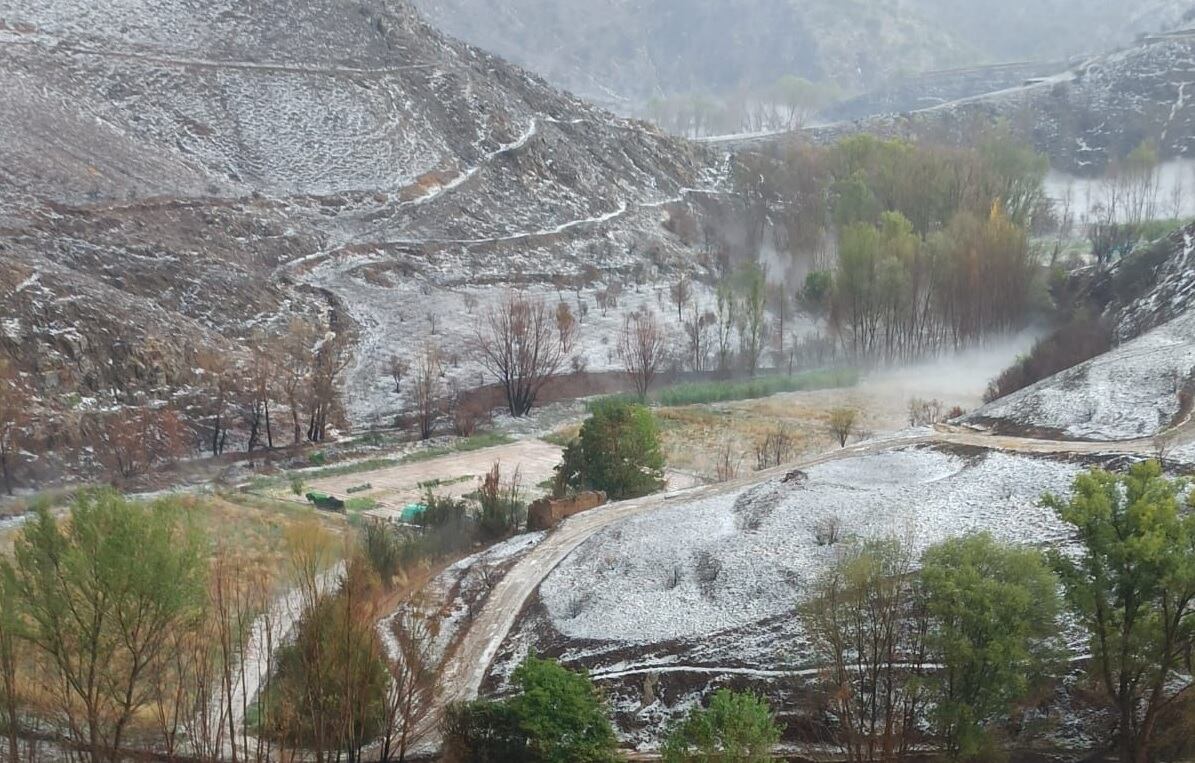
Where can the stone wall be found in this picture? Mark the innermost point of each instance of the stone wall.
(546, 513)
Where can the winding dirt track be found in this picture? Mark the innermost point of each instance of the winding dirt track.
(466, 667)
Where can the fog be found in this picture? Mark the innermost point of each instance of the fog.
(622, 54)
(960, 378)
(1176, 191)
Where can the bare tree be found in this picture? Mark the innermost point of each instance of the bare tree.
(398, 368)
(297, 345)
(775, 449)
(130, 441)
(725, 320)
(697, 326)
(681, 293)
(330, 357)
(863, 622)
(220, 382)
(257, 394)
(566, 324)
(642, 348)
(413, 680)
(14, 419)
(427, 388)
(519, 341)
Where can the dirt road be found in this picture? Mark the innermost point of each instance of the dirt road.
(467, 666)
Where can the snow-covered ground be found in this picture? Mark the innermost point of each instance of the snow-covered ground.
(1128, 393)
(453, 595)
(639, 581)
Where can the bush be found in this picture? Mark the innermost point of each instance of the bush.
(502, 509)
(1079, 340)
(735, 726)
(618, 452)
(556, 716)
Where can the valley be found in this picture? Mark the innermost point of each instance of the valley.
(365, 395)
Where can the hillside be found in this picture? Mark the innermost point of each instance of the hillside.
(1143, 385)
(179, 175)
(1080, 117)
(623, 53)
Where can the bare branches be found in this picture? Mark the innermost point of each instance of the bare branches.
(14, 418)
(426, 388)
(642, 348)
(520, 341)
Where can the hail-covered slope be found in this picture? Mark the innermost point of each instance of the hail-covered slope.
(1143, 385)
(173, 171)
(1081, 118)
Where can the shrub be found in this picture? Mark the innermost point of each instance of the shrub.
(735, 726)
(842, 424)
(502, 509)
(1079, 340)
(827, 531)
(382, 549)
(556, 716)
(618, 452)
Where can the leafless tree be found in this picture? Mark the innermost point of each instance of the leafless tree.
(296, 347)
(681, 293)
(865, 624)
(130, 441)
(14, 419)
(257, 392)
(642, 348)
(520, 342)
(427, 388)
(697, 324)
(330, 357)
(726, 468)
(566, 324)
(220, 382)
(775, 449)
(398, 368)
(412, 685)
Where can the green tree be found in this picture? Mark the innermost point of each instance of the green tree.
(618, 452)
(330, 690)
(735, 727)
(992, 610)
(561, 713)
(101, 595)
(1133, 590)
(557, 717)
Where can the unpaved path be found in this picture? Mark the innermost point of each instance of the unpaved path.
(467, 666)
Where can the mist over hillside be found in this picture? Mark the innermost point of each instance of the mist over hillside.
(622, 53)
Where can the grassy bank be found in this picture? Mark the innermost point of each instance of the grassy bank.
(703, 393)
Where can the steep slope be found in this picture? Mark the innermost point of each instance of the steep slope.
(623, 52)
(1144, 385)
(1081, 117)
(177, 175)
